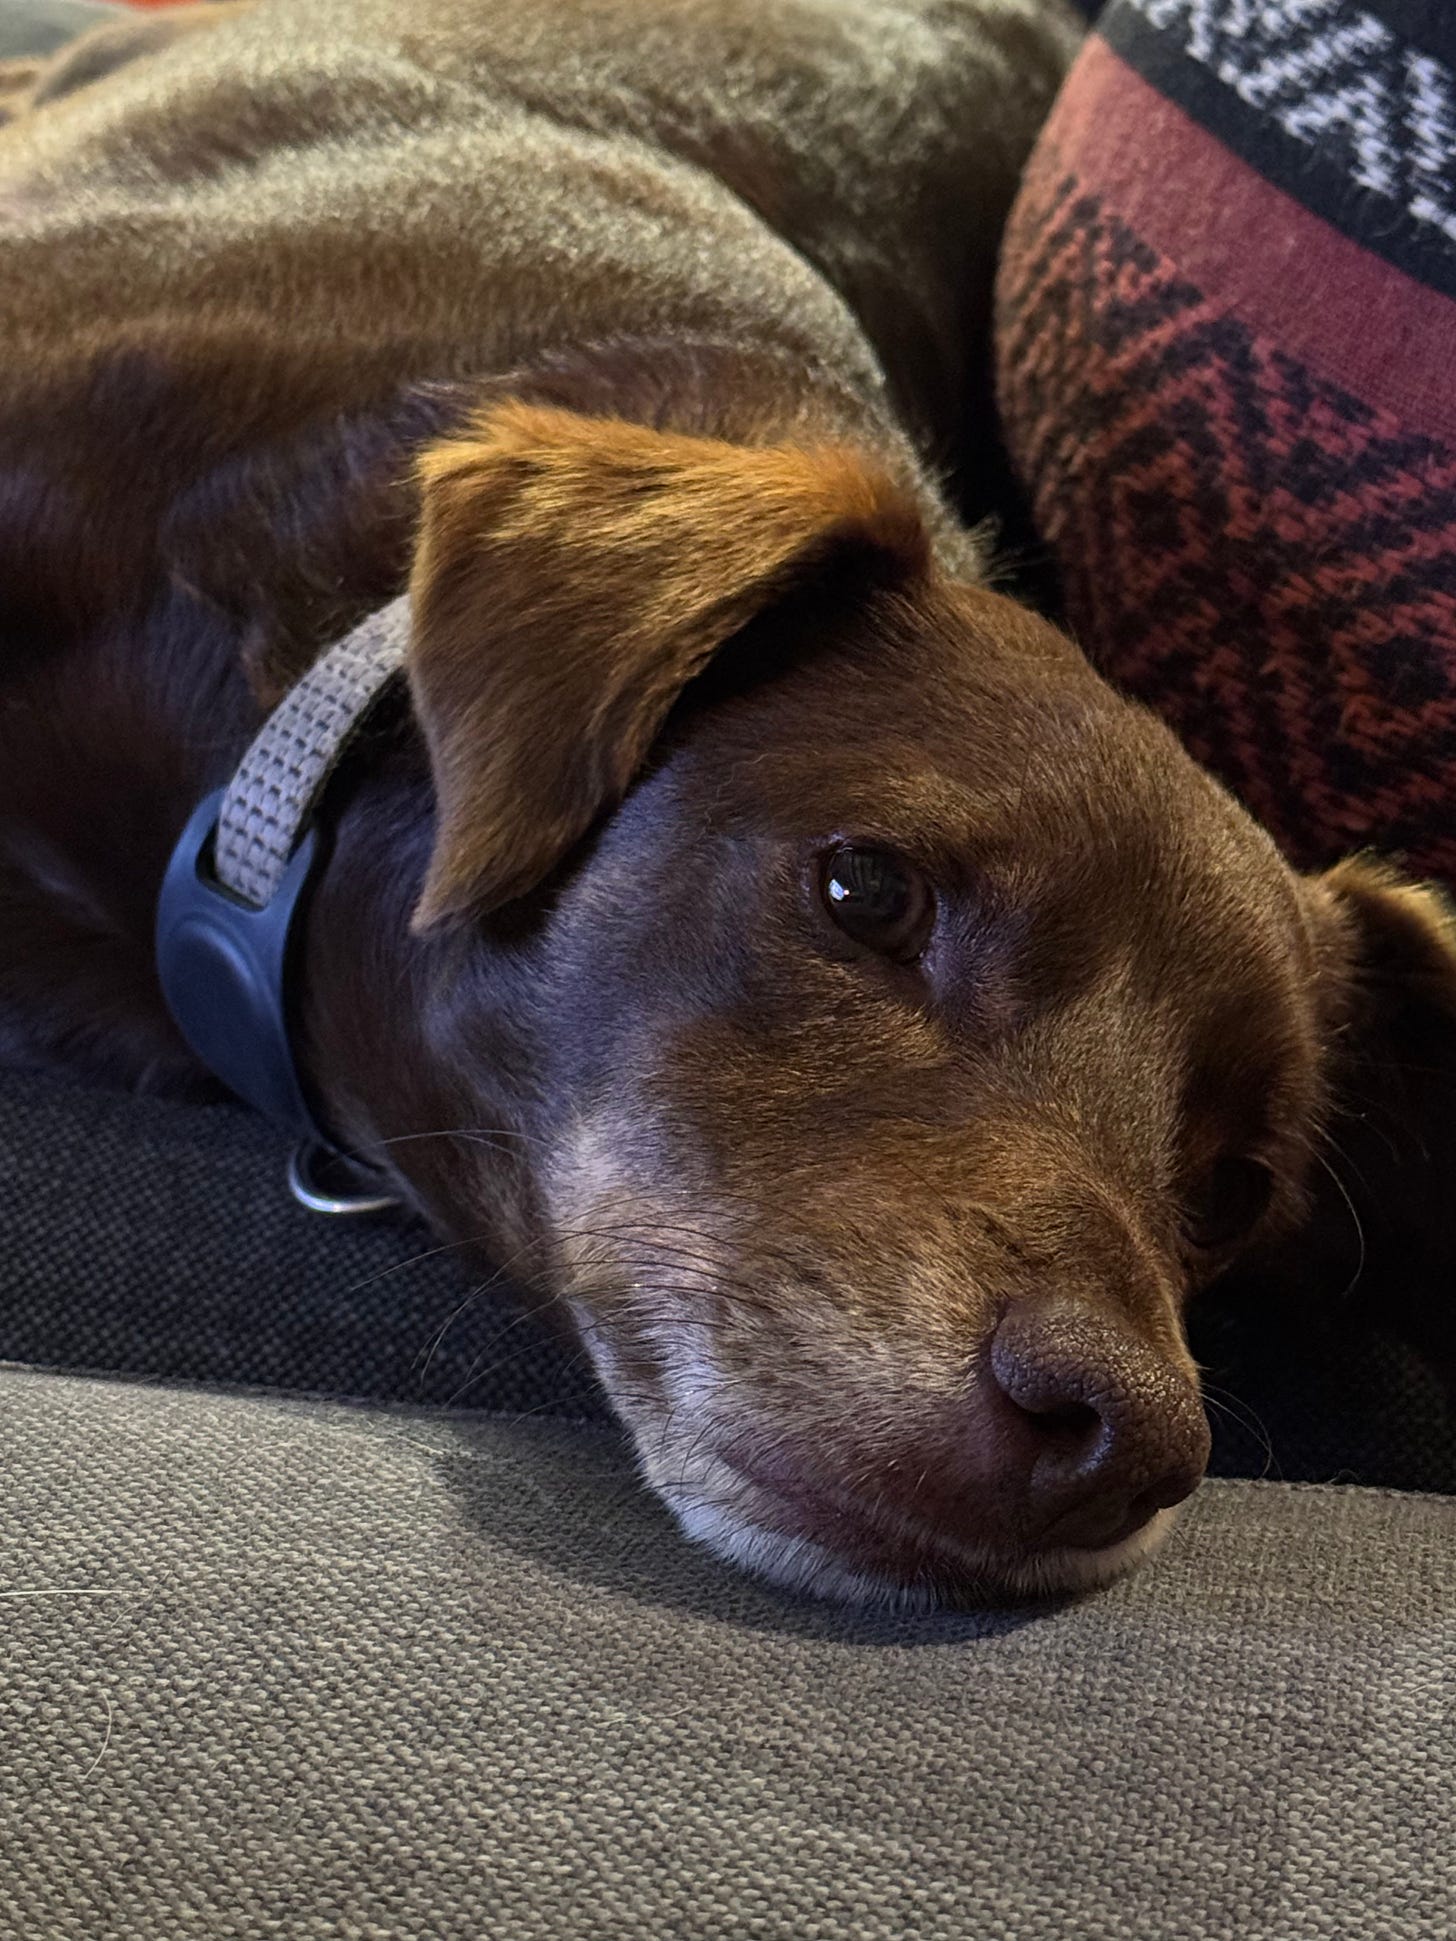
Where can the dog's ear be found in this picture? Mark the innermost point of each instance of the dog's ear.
(1389, 950)
(1388, 1193)
(572, 575)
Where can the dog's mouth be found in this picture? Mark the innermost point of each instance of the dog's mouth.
(814, 1508)
(817, 1540)
(906, 1479)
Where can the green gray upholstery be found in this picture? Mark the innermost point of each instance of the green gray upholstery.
(286, 1667)
(145, 1237)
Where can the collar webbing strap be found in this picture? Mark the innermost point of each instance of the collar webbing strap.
(240, 876)
(267, 804)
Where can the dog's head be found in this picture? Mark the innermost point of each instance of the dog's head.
(911, 1028)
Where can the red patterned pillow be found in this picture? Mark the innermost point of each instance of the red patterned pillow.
(1227, 366)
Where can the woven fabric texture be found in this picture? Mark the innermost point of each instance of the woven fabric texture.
(280, 1668)
(290, 760)
(1227, 323)
(144, 1237)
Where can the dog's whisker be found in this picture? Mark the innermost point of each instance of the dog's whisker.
(414, 1260)
(1229, 1404)
(479, 1135)
(1356, 1222)
(471, 1300)
(1327, 1139)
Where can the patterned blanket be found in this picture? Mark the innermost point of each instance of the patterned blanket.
(1227, 364)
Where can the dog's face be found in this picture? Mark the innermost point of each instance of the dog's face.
(936, 1056)
(920, 1032)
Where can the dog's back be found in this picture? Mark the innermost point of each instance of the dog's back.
(371, 194)
(249, 272)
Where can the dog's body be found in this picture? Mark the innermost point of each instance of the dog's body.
(247, 276)
(629, 334)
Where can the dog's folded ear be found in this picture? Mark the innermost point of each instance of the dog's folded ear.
(1390, 977)
(571, 576)
(1386, 1212)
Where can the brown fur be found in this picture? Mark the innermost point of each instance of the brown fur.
(637, 553)
(884, 1264)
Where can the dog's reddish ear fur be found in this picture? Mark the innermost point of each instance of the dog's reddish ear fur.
(1386, 1198)
(1399, 939)
(1389, 946)
(572, 575)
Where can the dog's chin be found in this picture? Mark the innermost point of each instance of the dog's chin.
(876, 1561)
(714, 1509)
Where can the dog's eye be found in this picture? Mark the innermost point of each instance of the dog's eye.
(879, 900)
(1230, 1199)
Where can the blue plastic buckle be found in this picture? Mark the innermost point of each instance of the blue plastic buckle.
(224, 965)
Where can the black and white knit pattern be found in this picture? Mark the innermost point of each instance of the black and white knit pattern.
(1336, 78)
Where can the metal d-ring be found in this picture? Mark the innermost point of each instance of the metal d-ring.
(307, 1165)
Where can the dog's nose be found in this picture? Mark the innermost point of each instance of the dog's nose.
(1096, 1430)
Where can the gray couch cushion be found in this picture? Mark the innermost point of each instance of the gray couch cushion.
(279, 1667)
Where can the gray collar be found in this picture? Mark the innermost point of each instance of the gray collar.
(235, 896)
(267, 804)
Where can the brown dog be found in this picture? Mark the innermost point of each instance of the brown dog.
(864, 1026)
